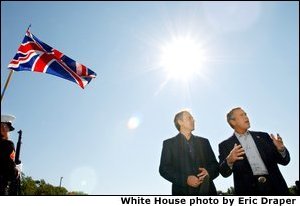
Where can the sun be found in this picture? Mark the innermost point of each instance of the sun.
(181, 58)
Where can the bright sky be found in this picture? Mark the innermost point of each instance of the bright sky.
(107, 138)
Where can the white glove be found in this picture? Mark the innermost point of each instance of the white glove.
(19, 168)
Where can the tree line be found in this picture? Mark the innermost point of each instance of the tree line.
(30, 186)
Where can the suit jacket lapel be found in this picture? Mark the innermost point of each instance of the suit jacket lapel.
(198, 148)
(179, 142)
(182, 154)
(236, 141)
(245, 160)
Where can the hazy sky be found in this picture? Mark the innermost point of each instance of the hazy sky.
(107, 138)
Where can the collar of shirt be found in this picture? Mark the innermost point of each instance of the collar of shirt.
(242, 135)
(188, 141)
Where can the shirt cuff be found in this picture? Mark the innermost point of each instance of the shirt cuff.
(283, 153)
(229, 165)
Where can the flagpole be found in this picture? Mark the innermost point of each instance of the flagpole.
(6, 84)
(29, 27)
(9, 77)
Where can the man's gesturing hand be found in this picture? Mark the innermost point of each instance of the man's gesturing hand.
(235, 154)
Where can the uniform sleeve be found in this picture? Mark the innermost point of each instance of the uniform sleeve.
(9, 159)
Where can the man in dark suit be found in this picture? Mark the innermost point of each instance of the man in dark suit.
(188, 161)
(253, 158)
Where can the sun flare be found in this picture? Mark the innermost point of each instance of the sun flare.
(182, 58)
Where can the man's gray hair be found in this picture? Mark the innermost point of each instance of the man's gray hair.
(177, 117)
(230, 115)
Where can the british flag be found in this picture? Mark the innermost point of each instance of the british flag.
(36, 56)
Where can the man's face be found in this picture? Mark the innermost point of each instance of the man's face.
(4, 129)
(240, 120)
(187, 122)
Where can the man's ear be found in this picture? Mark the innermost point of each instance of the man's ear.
(180, 122)
(232, 122)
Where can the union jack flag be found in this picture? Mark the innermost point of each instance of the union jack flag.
(36, 56)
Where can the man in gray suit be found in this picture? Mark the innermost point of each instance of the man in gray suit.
(188, 161)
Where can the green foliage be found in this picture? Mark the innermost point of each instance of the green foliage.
(30, 186)
(294, 190)
(76, 193)
(230, 191)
